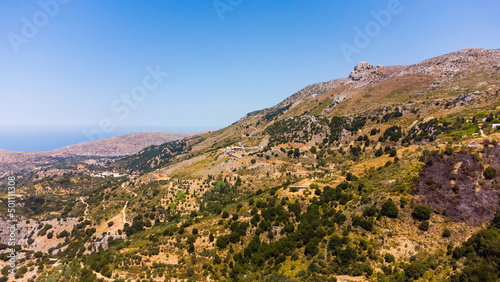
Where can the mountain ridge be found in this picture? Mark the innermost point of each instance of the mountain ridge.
(389, 174)
(111, 147)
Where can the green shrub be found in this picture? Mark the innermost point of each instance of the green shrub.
(350, 177)
(415, 270)
(221, 242)
(402, 202)
(446, 233)
(389, 258)
(314, 186)
(421, 212)
(490, 173)
(389, 209)
(424, 225)
(313, 150)
(21, 271)
(370, 211)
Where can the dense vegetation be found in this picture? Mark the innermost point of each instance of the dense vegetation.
(154, 157)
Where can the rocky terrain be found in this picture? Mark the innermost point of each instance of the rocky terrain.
(389, 174)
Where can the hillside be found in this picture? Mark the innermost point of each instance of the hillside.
(122, 145)
(389, 174)
(116, 146)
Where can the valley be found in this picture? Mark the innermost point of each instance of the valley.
(389, 174)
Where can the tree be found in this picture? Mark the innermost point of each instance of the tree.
(402, 202)
(394, 132)
(314, 186)
(217, 259)
(296, 153)
(415, 270)
(21, 271)
(421, 212)
(225, 214)
(495, 223)
(313, 150)
(389, 209)
(424, 225)
(350, 177)
(389, 258)
(446, 233)
(253, 161)
(221, 242)
(370, 211)
(490, 173)
(392, 152)
(191, 248)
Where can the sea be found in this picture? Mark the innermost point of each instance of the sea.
(40, 139)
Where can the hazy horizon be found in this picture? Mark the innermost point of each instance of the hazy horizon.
(41, 139)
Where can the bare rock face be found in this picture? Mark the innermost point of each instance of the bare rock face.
(466, 60)
(28, 229)
(314, 90)
(361, 71)
(366, 74)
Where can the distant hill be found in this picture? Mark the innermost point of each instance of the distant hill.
(122, 145)
(116, 146)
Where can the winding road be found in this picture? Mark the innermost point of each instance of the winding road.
(123, 212)
(86, 206)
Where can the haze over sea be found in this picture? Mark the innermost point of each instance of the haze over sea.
(39, 139)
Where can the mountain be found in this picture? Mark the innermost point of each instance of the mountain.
(122, 145)
(389, 174)
(116, 146)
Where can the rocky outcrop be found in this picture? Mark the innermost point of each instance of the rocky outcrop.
(28, 229)
(314, 90)
(364, 73)
(469, 60)
(361, 71)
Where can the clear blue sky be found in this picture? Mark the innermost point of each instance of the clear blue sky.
(87, 54)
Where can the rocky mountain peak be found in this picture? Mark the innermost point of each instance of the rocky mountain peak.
(361, 69)
(362, 74)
